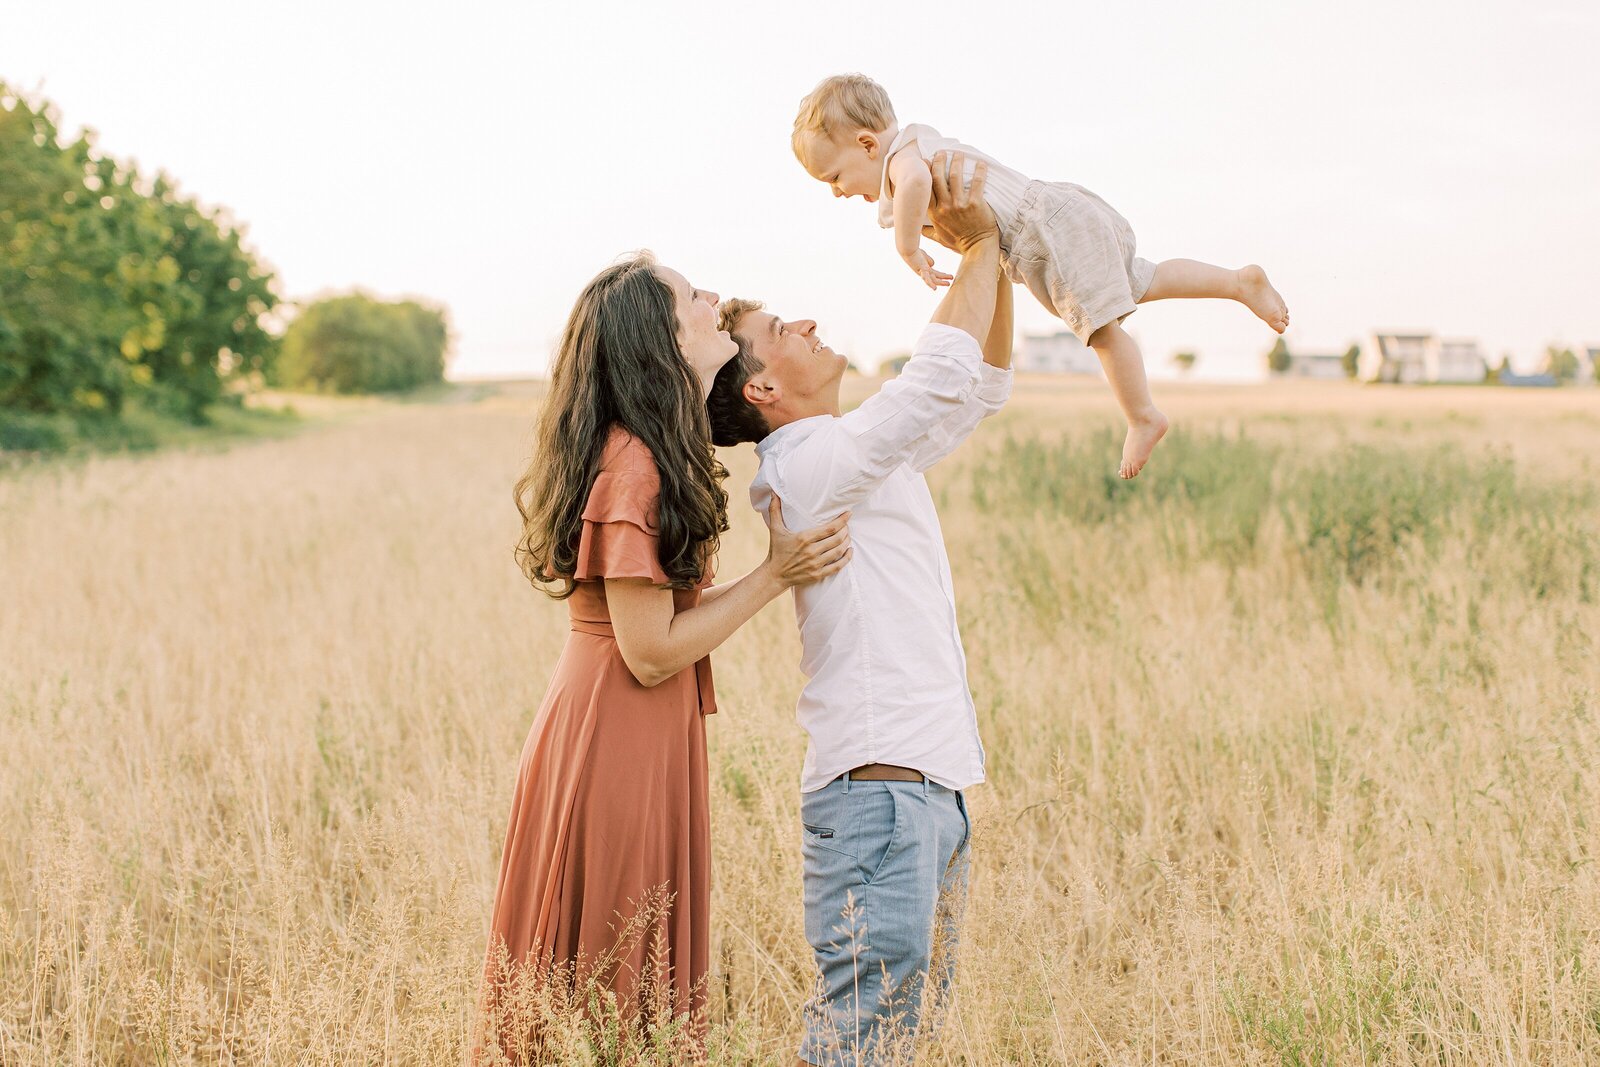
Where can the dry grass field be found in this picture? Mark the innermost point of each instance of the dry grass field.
(1294, 743)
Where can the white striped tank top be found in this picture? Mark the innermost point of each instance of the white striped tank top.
(1002, 189)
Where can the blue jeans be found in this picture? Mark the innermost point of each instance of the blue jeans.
(885, 879)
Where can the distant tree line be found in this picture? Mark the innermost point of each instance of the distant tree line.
(1563, 364)
(113, 287)
(118, 293)
(357, 344)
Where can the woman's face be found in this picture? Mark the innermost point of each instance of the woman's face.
(705, 347)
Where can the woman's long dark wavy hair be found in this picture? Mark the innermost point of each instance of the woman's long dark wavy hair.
(619, 365)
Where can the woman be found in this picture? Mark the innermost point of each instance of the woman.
(605, 879)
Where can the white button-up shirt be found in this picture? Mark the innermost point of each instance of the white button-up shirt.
(886, 679)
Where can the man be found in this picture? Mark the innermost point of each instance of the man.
(894, 736)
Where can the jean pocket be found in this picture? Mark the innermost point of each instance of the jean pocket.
(827, 821)
(826, 837)
(878, 831)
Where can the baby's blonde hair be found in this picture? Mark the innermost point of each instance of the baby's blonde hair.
(844, 101)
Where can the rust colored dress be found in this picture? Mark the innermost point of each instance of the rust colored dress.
(610, 803)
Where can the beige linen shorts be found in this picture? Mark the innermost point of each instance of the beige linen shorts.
(1075, 254)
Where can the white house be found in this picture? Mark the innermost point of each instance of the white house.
(1323, 366)
(1588, 364)
(1056, 353)
(1409, 358)
(1456, 361)
(1394, 357)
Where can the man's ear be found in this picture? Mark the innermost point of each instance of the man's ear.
(761, 391)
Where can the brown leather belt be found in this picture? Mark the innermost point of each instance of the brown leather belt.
(883, 772)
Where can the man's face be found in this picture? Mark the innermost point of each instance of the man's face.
(851, 164)
(800, 375)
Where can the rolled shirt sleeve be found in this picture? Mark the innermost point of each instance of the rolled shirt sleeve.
(990, 395)
(909, 414)
(994, 388)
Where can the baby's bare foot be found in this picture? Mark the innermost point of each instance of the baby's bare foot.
(1143, 433)
(1257, 294)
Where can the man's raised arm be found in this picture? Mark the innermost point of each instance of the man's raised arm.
(910, 417)
(1002, 332)
(991, 394)
(963, 222)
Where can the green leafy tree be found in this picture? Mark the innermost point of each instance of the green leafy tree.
(1351, 361)
(61, 321)
(1278, 357)
(208, 296)
(112, 286)
(357, 344)
(1185, 361)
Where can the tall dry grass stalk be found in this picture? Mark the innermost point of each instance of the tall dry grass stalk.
(1292, 743)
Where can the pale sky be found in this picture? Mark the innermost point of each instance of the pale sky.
(1425, 165)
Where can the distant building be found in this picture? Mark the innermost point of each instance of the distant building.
(1588, 364)
(1456, 361)
(1411, 358)
(1323, 366)
(1394, 357)
(1056, 353)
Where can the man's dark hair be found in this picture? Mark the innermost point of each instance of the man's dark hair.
(734, 419)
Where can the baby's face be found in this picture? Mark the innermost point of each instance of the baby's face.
(849, 163)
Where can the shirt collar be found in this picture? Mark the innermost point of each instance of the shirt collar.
(795, 431)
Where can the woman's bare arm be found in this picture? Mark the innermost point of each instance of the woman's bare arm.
(711, 592)
(656, 642)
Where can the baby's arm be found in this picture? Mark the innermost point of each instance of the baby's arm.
(913, 191)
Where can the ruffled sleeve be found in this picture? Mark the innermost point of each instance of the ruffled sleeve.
(619, 536)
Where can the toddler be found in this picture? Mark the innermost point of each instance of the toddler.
(1068, 246)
